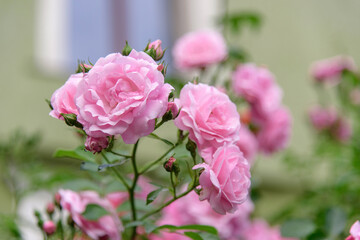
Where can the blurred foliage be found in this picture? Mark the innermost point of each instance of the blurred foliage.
(327, 209)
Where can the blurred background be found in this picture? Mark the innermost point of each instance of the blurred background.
(42, 40)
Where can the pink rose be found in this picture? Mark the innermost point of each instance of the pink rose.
(247, 143)
(354, 231)
(226, 181)
(189, 210)
(342, 130)
(209, 116)
(258, 87)
(159, 52)
(63, 99)
(260, 230)
(322, 118)
(199, 49)
(330, 70)
(122, 95)
(96, 145)
(106, 227)
(274, 132)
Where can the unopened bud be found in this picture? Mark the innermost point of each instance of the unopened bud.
(96, 145)
(158, 51)
(71, 120)
(168, 165)
(83, 68)
(49, 227)
(172, 166)
(57, 198)
(126, 50)
(50, 208)
(160, 67)
(173, 109)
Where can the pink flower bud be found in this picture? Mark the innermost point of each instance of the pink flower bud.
(173, 108)
(160, 67)
(49, 227)
(87, 66)
(96, 145)
(169, 164)
(57, 198)
(156, 45)
(50, 208)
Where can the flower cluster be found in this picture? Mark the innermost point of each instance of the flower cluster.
(340, 72)
(327, 120)
(125, 94)
(269, 120)
(329, 71)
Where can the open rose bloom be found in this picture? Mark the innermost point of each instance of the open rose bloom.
(329, 70)
(63, 99)
(122, 95)
(209, 116)
(106, 227)
(226, 181)
(199, 49)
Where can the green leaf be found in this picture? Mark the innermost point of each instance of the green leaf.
(89, 166)
(77, 153)
(208, 236)
(134, 224)
(149, 227)
(335, 221)
(93, 212)
(297, 228)
(154, 136)
(115, 186)
(153, 195)
(204, 228)
(193, 235)
(237, 21)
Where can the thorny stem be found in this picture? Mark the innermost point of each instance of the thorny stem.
(173, 184)
(131, 190)
(159, 124)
